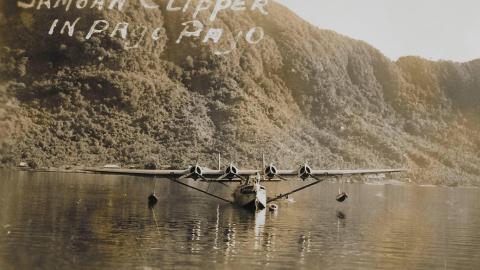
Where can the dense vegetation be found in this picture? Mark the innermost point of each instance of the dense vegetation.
(301, 94)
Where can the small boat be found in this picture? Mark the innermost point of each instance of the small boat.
(251, 196)
(152, 200)
(23, 164)
(272, 207)
(111, 166)
(342, 197)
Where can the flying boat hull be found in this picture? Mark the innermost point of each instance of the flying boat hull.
(252, 197)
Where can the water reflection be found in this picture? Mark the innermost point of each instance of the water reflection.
(103, 222)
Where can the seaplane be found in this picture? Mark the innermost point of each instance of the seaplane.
(249, 192)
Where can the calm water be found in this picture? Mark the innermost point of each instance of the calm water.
(67, 221)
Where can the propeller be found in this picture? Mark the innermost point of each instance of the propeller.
(305, 172)
(231, 172)
(194, 172)
(271, 172)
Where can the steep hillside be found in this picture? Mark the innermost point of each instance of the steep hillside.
(300, 94)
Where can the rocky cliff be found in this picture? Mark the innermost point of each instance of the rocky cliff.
(301, 94)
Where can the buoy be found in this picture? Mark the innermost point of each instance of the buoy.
(272, 207)
(152, 200)
(342, 197)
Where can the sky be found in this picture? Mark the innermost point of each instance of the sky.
(433, 29)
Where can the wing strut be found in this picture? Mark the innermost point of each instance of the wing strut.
(200, 190)
(295, 191)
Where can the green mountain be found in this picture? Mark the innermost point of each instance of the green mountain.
(301, 94)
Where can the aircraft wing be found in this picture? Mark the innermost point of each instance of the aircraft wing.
(249, 172)
(334, 173)
(354, 172)
(214, 174)
(150, 173)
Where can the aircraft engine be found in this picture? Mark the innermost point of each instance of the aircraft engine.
(231, 172)
(196, 172)
(305, 172)
(271, 171)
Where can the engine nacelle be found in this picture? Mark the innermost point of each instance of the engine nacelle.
(305, 172)
(196, 171)
(231, 172)
(271, 171)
